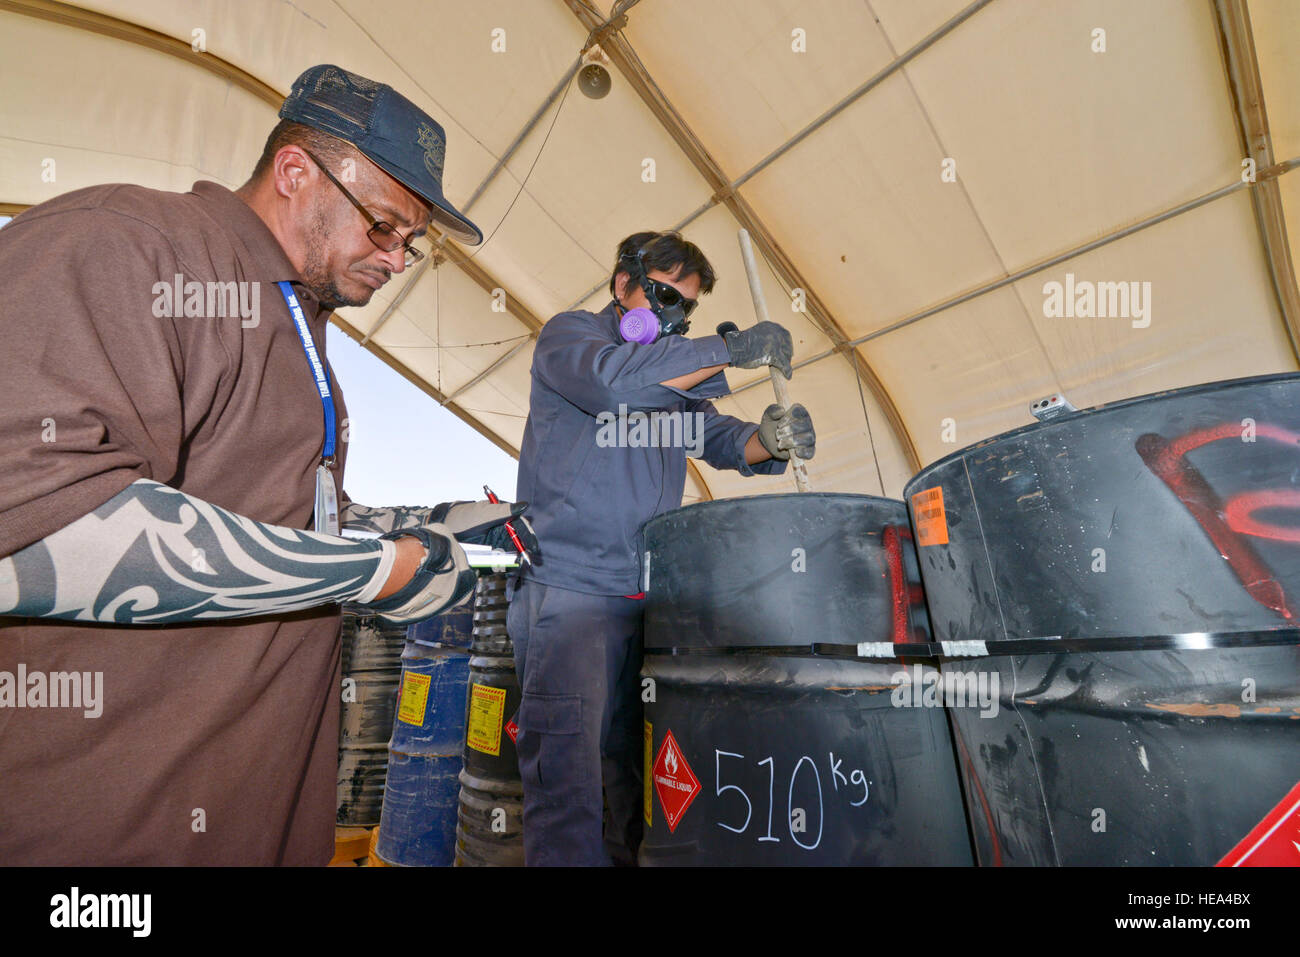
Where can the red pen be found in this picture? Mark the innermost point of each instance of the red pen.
(510, 530)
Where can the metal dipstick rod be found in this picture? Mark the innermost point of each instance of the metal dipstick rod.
(780, 384)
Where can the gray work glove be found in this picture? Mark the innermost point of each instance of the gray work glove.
(484, 523)
(783, 431)
(764, 344)
(442, 580)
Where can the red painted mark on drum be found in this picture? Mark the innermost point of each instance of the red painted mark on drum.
(897, 583)
(1239, 514)
(979, 793)
(1165, 458)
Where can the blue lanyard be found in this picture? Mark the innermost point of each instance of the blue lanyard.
(318, 369)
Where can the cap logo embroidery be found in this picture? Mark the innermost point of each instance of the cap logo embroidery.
(435, 149)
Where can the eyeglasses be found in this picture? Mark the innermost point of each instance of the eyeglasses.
(382, 234)
(669, 296)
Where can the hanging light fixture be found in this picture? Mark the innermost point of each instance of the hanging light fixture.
(594, 81)
(593, 78)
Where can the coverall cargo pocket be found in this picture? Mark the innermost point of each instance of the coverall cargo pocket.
(554, 766)
(593, 474)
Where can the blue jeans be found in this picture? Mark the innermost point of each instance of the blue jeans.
(580, 724)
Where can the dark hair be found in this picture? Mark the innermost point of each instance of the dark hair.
(330, 149)
(666, 251)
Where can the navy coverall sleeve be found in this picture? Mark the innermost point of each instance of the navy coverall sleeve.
(724, 442)
(597, 375)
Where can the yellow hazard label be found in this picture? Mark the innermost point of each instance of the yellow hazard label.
(930, 519)
(414, 699)
(487, 709)
(649, 749)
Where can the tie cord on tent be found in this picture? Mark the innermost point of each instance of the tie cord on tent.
(524, 183)
(465, 345)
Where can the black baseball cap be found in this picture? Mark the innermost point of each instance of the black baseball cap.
(394, 133)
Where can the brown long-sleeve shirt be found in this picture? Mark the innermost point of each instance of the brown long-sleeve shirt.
(217, 742)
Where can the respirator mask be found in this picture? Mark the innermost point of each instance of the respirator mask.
(669, 309)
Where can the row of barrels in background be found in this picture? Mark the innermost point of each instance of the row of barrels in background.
(426, 747)
(372, 671)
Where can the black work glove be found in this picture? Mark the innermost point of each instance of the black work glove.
(484, 523)
(765, 344)
(783, 431)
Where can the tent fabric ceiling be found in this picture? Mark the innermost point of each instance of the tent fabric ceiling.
(1055, 146)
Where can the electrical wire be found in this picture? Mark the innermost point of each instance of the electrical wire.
(522, 185)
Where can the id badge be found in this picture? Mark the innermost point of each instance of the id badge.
(327, 502)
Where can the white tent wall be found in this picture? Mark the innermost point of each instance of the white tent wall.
(501, 400)
(1276, 29)
(874, 229)
(106, 111)
(1290, 187)
(1276, 26)
(982, 368)
(731, 70)
(1054, 145)
(1212, 313)
(445, 330)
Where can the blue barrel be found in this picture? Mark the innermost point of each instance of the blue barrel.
(418, 825)
(452, 630)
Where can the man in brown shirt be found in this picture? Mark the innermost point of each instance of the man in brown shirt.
(164, 450)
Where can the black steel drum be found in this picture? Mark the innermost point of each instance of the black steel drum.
(769, 739)
(1130, 577)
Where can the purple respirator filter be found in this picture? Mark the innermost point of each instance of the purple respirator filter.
(639, 325)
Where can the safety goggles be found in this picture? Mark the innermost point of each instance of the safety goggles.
(668, 296)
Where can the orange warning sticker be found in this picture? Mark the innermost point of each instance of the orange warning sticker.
(928, 514)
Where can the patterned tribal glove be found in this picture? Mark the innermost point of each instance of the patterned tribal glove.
(484, 523)
(443, 580)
